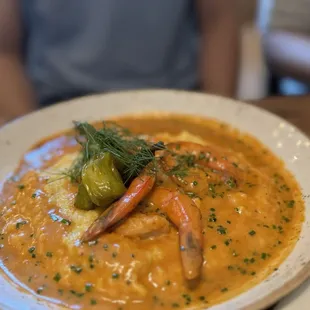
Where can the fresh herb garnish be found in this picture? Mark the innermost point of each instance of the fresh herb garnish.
(21, 186)
(115, 275)
(31, 249)
(77, 294)
(20, 223)
(252, 232)
(57, 277)
(231, 182)
(57, 218)
(290, 203)
(130, 152)
(93, 302)
(221, 230)
(76, 269)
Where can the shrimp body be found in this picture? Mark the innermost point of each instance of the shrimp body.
(180, 209)
(186, 216)
(139, 188)
(201, 155)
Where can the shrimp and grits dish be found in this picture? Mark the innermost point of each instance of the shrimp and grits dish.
(147, 212)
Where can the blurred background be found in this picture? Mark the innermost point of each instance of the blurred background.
(275, 48)
(51, 53)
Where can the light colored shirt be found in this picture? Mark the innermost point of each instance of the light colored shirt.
(78, 47)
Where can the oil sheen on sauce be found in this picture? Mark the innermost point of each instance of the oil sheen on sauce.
(248, 230)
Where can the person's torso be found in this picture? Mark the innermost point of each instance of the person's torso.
(77, 47)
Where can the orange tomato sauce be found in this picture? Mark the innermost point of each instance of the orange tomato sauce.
(248, 230)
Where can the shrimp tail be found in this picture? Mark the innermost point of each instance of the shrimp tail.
(186, 216)
(191, 251)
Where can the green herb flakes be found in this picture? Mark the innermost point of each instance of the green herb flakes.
(20, 186)
(40, 290)
(57, 277)
(76, 269)
(57, 218)
(77, 294)
(290, 203)
(93, 302)
(20, 224)
(228, 242)
(31, 249)
(221, 230)
(252, 232)
(115, 275)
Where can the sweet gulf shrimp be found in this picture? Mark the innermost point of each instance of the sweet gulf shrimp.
(180, 209)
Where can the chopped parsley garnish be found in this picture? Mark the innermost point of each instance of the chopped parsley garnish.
(49, 254)
(76, 269)
(286, 219)
(115, 275)
(284, 187)
(93, 302)
(40, 290)
(213, 247)
(231, 183)
(221, 230)
(252, 232)
(228, 242)
(76, 293)
(178, 172)
(20, 223)
(195, 183)
(88, 287)
(21, 186)
(31, 249)
(225, 289)
(192, 195)
(57, 277)
(212, 218)
(187, 298)
(290, 203)
(57, 218)
(264, 256)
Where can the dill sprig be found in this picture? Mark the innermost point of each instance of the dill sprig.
(131, 153)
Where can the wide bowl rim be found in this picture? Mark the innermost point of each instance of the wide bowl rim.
(275, 295)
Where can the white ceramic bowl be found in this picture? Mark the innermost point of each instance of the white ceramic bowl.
(287, 142)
